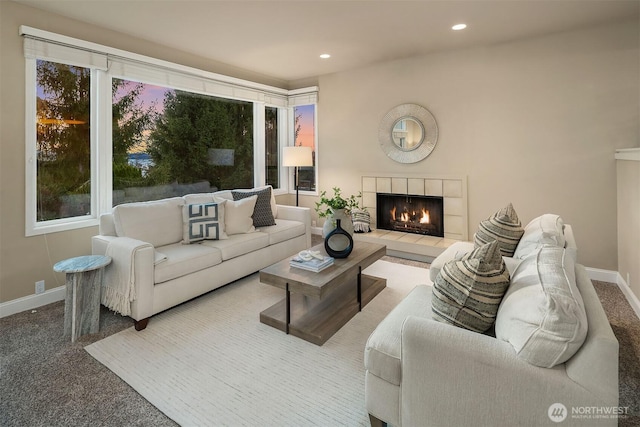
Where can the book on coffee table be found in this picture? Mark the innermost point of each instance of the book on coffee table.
(316, 265)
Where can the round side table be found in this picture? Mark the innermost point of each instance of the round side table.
(82, 301)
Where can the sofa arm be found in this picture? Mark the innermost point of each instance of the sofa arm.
(297, 213)
(142, 255)
(452, 376)
(100, 243)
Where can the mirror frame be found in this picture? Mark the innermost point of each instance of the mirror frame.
(417, 113)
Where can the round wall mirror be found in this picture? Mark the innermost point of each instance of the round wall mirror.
(408, 133)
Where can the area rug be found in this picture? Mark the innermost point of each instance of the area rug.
(211, 362)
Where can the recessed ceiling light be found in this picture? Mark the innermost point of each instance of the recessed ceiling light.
(459, 27)
(325, 56)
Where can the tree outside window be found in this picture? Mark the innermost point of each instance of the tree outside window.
(63, 141)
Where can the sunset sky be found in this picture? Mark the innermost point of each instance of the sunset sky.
(153, 97)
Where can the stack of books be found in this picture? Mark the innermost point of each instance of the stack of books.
(314, 264)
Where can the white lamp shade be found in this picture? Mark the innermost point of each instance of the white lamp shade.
(297, 156)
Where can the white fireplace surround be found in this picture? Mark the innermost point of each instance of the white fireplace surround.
(453, 190)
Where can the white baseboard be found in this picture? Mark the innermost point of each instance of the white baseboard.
(602, 275)
(32, 301)
(631, 297)
(615, 277)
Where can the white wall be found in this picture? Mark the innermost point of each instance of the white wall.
(533, 122)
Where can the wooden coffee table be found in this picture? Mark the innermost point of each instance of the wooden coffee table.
(317, 305)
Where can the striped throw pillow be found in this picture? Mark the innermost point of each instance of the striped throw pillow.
(361, 220)
(468, 292)
(504, 227)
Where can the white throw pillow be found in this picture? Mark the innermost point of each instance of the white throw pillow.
(547, 229)
(238, 215)
(542, 314)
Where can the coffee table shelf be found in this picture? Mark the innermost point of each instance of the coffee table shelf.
(321, 303)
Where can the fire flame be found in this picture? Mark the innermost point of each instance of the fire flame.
(424, 219)
(405, 217)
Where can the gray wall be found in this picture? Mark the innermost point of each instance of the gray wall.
(533, 122)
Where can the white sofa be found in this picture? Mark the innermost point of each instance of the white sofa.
(422, 372)
(146, 242)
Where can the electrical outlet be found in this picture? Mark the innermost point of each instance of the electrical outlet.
(313, 223)
(39, 286)
(628, 279)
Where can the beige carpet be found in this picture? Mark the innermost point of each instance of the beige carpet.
(211, 362)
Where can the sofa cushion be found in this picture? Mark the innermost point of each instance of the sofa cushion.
(262, 212)
(239, 244)
(157, 222)
(542, 314)
(503, 226)
(382, 353)
(547, 229)
(238, 215)
(185, 259)
(284, 230)
(203, 222)
(468, 292)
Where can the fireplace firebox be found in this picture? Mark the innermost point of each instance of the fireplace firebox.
(410, 213)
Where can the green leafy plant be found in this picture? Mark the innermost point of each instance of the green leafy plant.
(326, 206)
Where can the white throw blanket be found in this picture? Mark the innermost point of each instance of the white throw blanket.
(118, 285)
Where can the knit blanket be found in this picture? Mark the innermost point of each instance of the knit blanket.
(118, 285)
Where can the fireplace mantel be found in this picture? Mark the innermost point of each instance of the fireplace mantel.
(453, 190)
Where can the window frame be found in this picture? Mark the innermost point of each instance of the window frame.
(147, 70)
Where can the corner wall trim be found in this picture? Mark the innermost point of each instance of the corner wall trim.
(615, 278)
(32, 301)
(628, 293)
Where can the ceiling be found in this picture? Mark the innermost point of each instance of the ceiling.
(283, 39)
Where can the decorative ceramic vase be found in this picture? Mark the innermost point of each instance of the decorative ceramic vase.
(338, 242)
(330, 222)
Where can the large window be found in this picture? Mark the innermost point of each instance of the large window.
(170, 142)
(106, 127)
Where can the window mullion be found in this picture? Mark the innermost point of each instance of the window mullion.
(103, 147)
(31, 151)
(259, 141)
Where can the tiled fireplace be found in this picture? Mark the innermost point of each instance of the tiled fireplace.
(449, 193)
(416, 214)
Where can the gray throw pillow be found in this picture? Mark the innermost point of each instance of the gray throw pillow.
(262, 213)
(468, 292)
(504, 227)
(203, 222)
